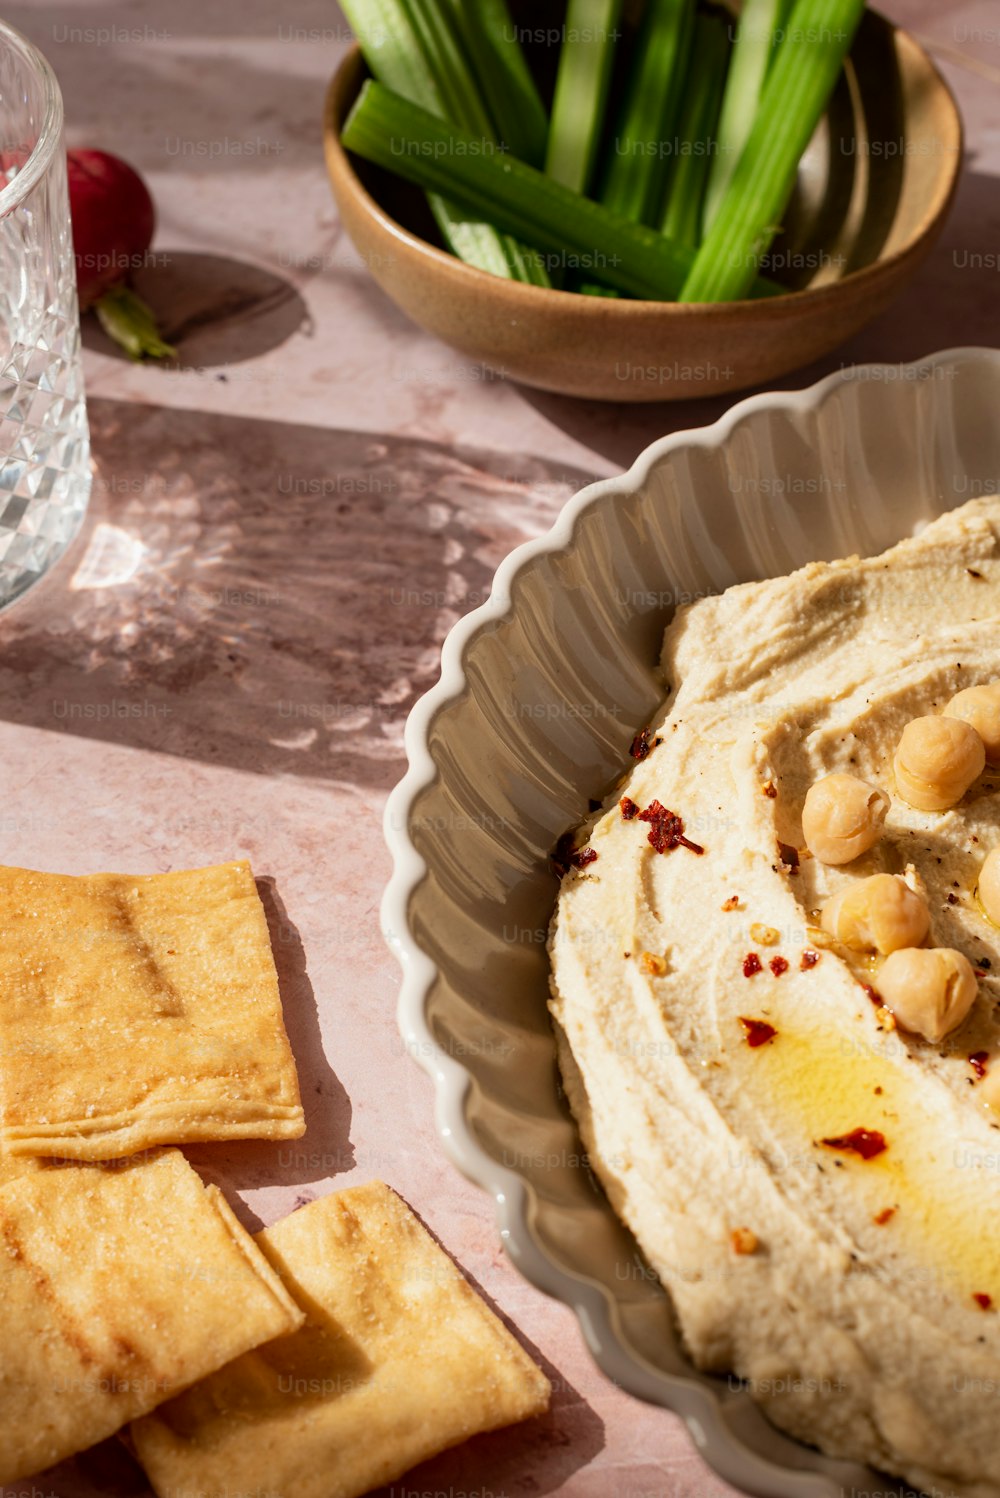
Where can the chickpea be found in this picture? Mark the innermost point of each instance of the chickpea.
(988, 888)
(842, 818)
(879, 914)
(980, 707)
(930, 990)
(936, 761)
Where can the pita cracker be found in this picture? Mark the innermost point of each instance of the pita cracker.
(119, 1286)
(399, 1359)
(137, 1011)
(13, 1166)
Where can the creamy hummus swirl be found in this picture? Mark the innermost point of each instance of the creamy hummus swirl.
(859, 1296)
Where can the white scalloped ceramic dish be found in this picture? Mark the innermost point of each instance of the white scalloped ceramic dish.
(540, 693)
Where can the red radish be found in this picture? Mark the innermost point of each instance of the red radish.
(113, 224)
(113, 220)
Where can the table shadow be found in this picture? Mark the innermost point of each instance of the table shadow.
(263, 595)
(238, 110)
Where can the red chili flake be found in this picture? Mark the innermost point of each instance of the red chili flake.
(770, 789)
(984, 1302)
(881, 1218)
(979, 1061)
(952, 899)
(778, 965)
(808, 959)
(873, 994)
(864, 1142)
(758, 1031)
(789, 858)
(751, 964)
(666, 829)
(643, 743)
(629, 808)
(565, 856)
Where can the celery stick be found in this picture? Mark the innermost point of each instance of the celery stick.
(434, 25)
(796, 92)
(761, 25)
(410, 46)
(491, 42)
(699, 115)
(387, 129)
(474, 242)
(644, 135)
(582, 82)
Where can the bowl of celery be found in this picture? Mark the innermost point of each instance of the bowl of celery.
(639, 203)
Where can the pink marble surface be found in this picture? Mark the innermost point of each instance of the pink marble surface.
(283, 528)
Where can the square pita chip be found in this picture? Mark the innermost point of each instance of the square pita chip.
(119, 1286)
(138, 1011)
(12, 1167)
(398, 1360)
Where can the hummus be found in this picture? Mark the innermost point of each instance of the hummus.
(818, 1188)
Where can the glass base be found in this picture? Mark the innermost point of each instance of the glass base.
(39, 539)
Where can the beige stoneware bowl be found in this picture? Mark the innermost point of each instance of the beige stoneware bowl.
(874, 190)
(541, 691)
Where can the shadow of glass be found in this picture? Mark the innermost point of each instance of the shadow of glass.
(262, 595)
(214, 309)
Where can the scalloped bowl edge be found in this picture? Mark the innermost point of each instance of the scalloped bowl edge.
(700, 1406)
